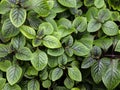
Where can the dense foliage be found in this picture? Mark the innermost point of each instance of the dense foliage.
(59, 45)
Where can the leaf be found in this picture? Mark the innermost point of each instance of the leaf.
(88, 2)
(80, 49)
(80, 24)
(68, 3)
(75, 74)
(46, 27)
(62, 60)
(17, 16)
(104, 15)
(24, 53)
(117, 48)
(41, 7)
(8, 30)
(14, 74)
(46, 83)
(33, 85)
(43, 74)
(93, 26)
(31, 71)
(112, 76)
(4, 50)
(18, 41)
(52, 61)
(2, 83)
(28, 32)
(13, 87)
(68, 83)
(4, 65)
(55, 52)
(99, 3)
(88, 62)
(56, 74)
(36, 42)
(39, 60)
(110, 28)
(51, 42)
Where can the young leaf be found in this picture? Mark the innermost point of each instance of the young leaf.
(110, 28)
(4, 65)
(28, 32)
(62, 60)
(43, 74)
(99, 3)
(93, 25)
(33, 85)
(31, 71)
(75, 74)
(13, 87)
(56, 74)
(8, 30)
(36, 42)
(24, 53)
(52, 61)
(117, 48)
(68, 83)
(68, 3)
(80, 49)
(17, 16)
(2, 83)
(88, 2)
(46, 83)
(39, 60)
(80, 24)
(14, 74)
(51, 42)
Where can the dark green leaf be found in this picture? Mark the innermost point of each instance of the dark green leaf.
(68, 3)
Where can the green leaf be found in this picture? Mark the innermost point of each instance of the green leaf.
(62, 60)
(88, 2)
(41, 7)
(2, 83)
(33, 85)
(8, 30)
(39, 60)
(112, 76)
(117, 48)
(4, 4)
(24, 53)
(80, 49)
(46, 27)
(88, 62)
(4, 65)
(28, 32)
(51, 42)
(99, 3)
(104, 15)
(13, 87)
(55, 52)
(75, 88)
(56, 74)
(17, 16)
(52, 61)
(31, 71)
(4, 50)
(43, 74)
(46, 83)
(68, 83)
(18, 41)
(68, 40)
(36, 42)
(68, 3)
(80, 24)
(110, 28)
(14, 74)
(93, 25)
(75, 74)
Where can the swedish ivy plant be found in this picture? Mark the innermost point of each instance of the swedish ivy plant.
(59, 45)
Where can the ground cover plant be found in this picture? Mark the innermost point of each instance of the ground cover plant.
(59, 45)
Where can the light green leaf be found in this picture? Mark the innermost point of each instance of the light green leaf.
(8, 30)
(56, 74)
(75, 74)
(4, 65)
(18, 41)
(69, 83)
(24, 53)
(28, 32)
(31, 71)
(80, 49)
(13, 87)
(80, 23)
(33, 85)
(17, 16)
(55, 52)
(46, 27)
(14, 74)
(68, 3)
(46, 83)
(2, 83)
(110, 28)
(93, 25)
(117, 48)
(99, 3)
(51, 42)
(39, 60)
